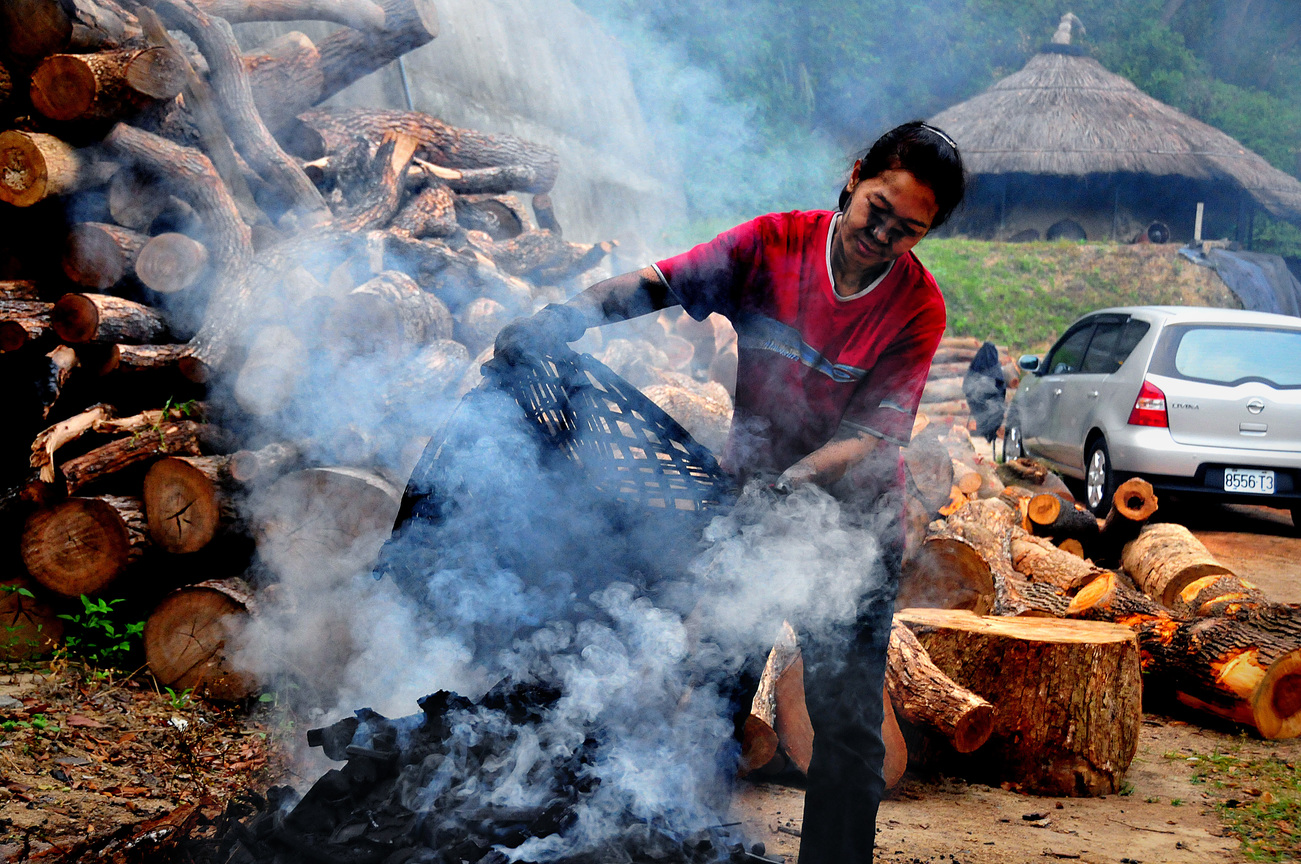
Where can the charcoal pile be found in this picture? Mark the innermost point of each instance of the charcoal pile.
(433, 788)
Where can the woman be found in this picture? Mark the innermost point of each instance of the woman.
(837, 322)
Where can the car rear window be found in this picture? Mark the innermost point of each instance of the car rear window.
(1230, 355)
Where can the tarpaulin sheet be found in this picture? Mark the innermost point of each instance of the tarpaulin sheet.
(1262, 282)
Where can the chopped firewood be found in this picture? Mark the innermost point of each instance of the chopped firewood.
(105, 85)
(759, 736)
(926, 697)
(1228, 596)
(390, 312)
(261, 466)
(188, 502)
(135, 199)
(794, 728)
(81, 545)
(1132, 505)
(167, 437)
(431, 212)
(39, 166)
(946, 572)
(50, 440)
(372, 185)
(104, 318)
(23, 322)
(1074, 738)
(1040, 560)
(1059, 518)
(98, 256)
(187, 637)
(57, 369)
(1217, 665)
(1165, 558)
(35, 28)
(358, 14)
(171, 262)
(32, 627)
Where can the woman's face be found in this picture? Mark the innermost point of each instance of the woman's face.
(887, 215)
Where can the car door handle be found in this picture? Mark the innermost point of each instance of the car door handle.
(1093, 394)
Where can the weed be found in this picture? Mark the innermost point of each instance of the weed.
(100, 639)
(1261, 803)
(1176, 802)
(1126, 788)
(179, 700)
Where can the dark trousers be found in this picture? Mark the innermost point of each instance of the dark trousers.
(844, 675)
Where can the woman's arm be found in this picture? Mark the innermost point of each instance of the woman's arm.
(619, 298)
(833, 460)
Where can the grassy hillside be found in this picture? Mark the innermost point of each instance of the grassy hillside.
(1024, 294)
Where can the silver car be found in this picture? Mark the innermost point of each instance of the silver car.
(1194, 400)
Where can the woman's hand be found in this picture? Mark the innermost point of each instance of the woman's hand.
(546, 333)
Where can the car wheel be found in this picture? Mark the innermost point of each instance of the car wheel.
(1099, 485)
(1013, 444)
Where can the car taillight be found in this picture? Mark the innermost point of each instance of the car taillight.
(1149, 407)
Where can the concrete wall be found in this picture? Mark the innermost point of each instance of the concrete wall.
(546, 71)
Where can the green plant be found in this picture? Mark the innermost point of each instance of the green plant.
(1176, 802)
(179, 700)
(100, 638)
(14, 637)
(1126, 788)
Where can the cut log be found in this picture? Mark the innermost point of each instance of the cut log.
(29, 626)
(1132, 505)
(942, 390)
(390, 312)
(81, 318)
(1041, 561)
(1165, 558)
(1034, 476)
(324, 524)
(478, 323)
(190, 635)
(98, 256)
(35, 166)
(794, 728)
(954, 355)
(928, 472)
(261, 466)
(270, 374)
(1067, 697)
(135, 199)
(759, 736)
(171, 262)
(23, 322)
(926, 697)
(483, 159)
(947, 572)
(1072, 546)
(350, 55)
(167, 437)
(187, 501)
(105, 85)
(545, 214)
(19, 289)
(81, 545)
(243, 124)
(1058, 518)
(49, 441)
(1223, 596)
(431, 212)
(358, 14)
(285, 77)
(31, 29)
(1217, 665)
(131, 359)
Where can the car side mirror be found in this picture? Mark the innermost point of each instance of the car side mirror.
(1028, 363)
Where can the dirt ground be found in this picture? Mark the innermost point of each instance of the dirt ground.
(1166, 815)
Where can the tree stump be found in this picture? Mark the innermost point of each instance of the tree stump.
(81, 545)
(187, 634)
(1066, 696)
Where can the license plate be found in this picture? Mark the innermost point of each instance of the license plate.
(1250, 480)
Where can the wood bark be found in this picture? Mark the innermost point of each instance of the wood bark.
(1217, 665)
(928, 473)
(23, 322)
(98, 256)
(247, 131)
(48, 441)
(81, 545)
(925, 696)
(55, 372)
(1041, 561)
(390, 312)
(285, 77)
(793, 726)
(947, 572)
(759, 741)
(1067, 697)
(229, 240)
(35, 166)
(1132, 505)
(187, 501)
(105, 85)
(261, 466)
(323, 524)
(545, 214)
(372, 184)
(29, 625)
(350, 55)
(81, 318)
(358, 14)
(32, 29)
(1034, 476)
(1058, 518)
(171, 262)
(19, 289)
(135, 199)
(478, 322)
(1165, 558)
(487, 163)
(1227, 596)
(190, 635)
(431, 212)
(6, 84)
(154, 358)
(168, 437)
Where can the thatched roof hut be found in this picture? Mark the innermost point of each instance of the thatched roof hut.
(1065, 137)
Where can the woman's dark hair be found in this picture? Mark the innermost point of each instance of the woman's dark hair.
(928, 154)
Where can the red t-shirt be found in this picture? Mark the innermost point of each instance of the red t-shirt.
(809, 361)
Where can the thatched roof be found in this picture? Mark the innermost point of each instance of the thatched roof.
(1065, 114)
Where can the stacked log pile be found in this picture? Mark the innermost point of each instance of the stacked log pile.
(189, 247)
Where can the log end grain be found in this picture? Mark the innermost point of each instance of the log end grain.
(1277, 699)
(758, 745)
(1135, 499)
(75, 318)
(171, 262)
(92, 259)
(182, 505)
(29, 626)
(64, 87)
(187, 638)
(28, 162)
(76, 547)
(156, 72)
(947, 573)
